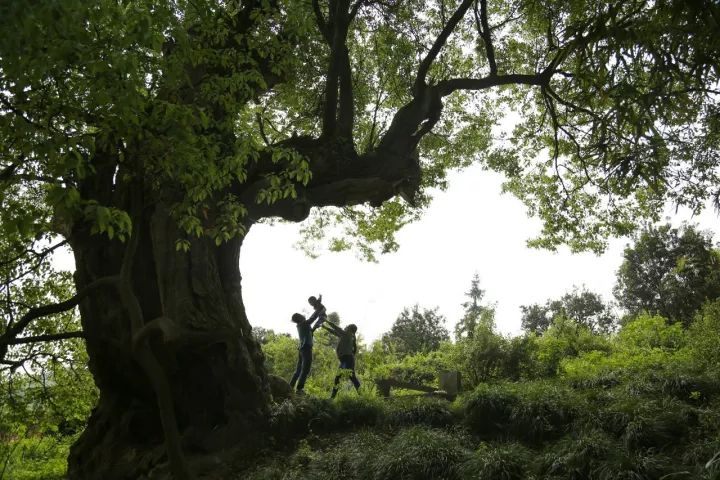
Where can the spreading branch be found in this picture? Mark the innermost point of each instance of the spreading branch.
(484, 30)
(50, 337)
(38, 255)
(437, 46)
(446, 87)
(339, 73)
(320, 20)
(43, 311)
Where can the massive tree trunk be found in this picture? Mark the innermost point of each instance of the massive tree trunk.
(169, 342)
(170, 345)
(193, 324)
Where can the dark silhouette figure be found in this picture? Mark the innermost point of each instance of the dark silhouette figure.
(305, 335)
(319, 311)
(346, 350)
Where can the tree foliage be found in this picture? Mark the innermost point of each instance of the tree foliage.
(623, 94)
(416, 331)
(46, 390)
(581, 305)
(475, 313)
(670, 272)
(179, 124)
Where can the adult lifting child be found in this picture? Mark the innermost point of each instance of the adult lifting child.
(346, 351)
(305, 330)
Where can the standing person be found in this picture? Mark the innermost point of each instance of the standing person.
(346, 350)
(305, 336)
(319, 311)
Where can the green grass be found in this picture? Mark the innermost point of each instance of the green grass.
(645, 428)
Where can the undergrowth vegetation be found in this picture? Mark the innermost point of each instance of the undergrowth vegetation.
(639, 404)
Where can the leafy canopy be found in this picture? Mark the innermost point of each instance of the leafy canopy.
(669, 272)
(580, 305)
(615, 108)
(416, 331)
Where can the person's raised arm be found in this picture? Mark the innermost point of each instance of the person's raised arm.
(332, 328)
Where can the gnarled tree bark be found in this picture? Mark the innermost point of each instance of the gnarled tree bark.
(171, 349)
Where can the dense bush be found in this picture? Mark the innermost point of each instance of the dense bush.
(565, 339)
(642, 403)
(351, 458)
(578, 457)
(432, 412)
(419, 453)
(497, 462)
(531, 411)
(298, 416)
(420, 369)
(704, 339)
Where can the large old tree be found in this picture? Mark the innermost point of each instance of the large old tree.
(152, 134)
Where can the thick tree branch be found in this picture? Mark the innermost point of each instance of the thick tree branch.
(261, 128)
(15, 364)
(38, 255)
(486, 35)
(45, 310)
(338, 66)
(346, 110)
(439, 43)
(50, 337)
(8, 304)
(321, 23)
(355, 8)
(446, 87)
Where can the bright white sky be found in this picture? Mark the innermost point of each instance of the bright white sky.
(470, 228)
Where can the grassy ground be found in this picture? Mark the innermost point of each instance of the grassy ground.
(650, 428)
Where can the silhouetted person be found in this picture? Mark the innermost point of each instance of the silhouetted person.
(305, 336)
(346, 350)
(319, 311)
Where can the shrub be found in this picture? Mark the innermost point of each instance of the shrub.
(577, 458)
(432, 412)
(565, 339)
(688, 387)
(645, 423)
(355, 411)
(637, 466)
(298, 416)
(704, 339)
(531, 411)
(349, 459)
(35, 457)
(419, 368)
(646, 345)
(497, 462)
(419, 453)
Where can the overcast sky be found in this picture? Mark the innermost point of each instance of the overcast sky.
(470, 228)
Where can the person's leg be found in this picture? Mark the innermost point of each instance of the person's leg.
(306, 355)
(346, 363)
(353, 377)
(298, 369)
(355, 381)
(336, 386)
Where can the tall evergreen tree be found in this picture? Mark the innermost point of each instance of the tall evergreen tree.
(475, 313)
